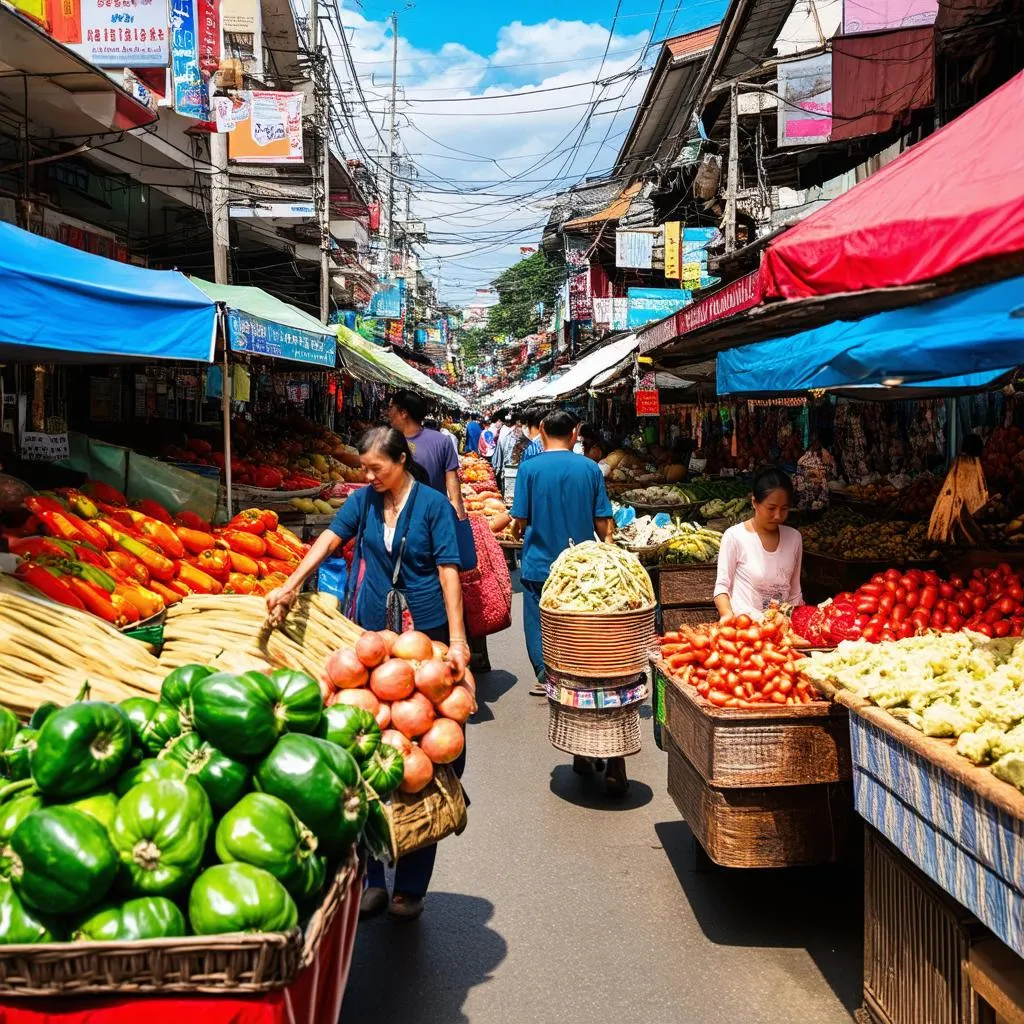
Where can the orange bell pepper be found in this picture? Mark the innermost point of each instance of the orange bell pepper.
(249, 520)
(159, 565)
(63, 524)
(270, 566)
(243, 564)
(146, 602)
(215, 562)
(165, 593)
(159, 533)
(181, 588)
(129, 565)
(270, 518)
(247, 543)
(241, 583)
(98, 601)
(199, 581)
(195, 541)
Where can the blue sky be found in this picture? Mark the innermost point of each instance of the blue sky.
(501, 107)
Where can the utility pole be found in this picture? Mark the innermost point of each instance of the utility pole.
(219, 215)
(390, 224)
(322, 99)
(732, 184)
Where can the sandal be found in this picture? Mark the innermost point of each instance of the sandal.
(373, 902)
(616, 785)
(405, 907)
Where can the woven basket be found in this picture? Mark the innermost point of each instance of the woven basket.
(690, 615)
(218, 964)
(589, 683)
(424, 818)
(687, 584)
(597, 645)
(611, 732)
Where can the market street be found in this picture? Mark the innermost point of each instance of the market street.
(556, 905)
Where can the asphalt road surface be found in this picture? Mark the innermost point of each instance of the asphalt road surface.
(559, 907)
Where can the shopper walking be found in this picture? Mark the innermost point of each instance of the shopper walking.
(399, 522)
(473, 432)
(510, 433)
(489, 438)
(532, 421)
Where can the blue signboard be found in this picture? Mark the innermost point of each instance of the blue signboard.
(250, 333)
(644, 305)
(189, 94)
(388, 300)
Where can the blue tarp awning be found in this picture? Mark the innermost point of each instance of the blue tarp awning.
(967, 340)
(61, 301)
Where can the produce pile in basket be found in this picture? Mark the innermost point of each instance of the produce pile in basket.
(481, 496)
(593, 577)
(692, 544)
(740, 663)
(126, 563)
(963, 686)
(895, 605)
(404, 685)
(841, 533)
(220, 808)
(733, 509)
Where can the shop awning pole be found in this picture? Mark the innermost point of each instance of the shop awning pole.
(225, 400)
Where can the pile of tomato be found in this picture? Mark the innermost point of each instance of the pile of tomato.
(739, 663)
(894, 605)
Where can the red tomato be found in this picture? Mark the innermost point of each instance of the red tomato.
(980, 602)
(871, 632)
(977, 587)
(906, 630)
(885, 603)
(938, 619)
(913, 599)
(861, 620)
(891, 574)
(901, 594)
(743, 622)
(985, 628)
(867, 605)
(992, 616)
(948, 591)
(1016, 592)
(899, 613)
(929, 578)
(956, 621)
(957, 581)
(920, 618)
(1001, 628)
(929, 595)
(1007, 606)
(966, 605)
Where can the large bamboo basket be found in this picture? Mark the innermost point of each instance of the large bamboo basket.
(605, 732)
(598, 645)
(218, 964)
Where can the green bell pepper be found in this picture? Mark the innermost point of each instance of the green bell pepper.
(17, 758)
(62, 861)
(8, 727)
(159, 833)
(133, 920)
(237, 712)
(176, 690)
(299, 703)
(79, 748)
(384, 770)
(101, 805)
(150, 770)
(224, 780)
(264, 831)
(321, 783)
(19, 924)
(240, 898)
(154, 725)
(353, 728)
(42, 713)
(21, 799)
(377, 831)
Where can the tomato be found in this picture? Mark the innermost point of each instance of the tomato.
(957, 582)
(992, 616)
(872, 589)
(743, 622)
(899, 613)
(891, 586)
(1004, 568)
(948, 591)
(1001, 628)
(929, 578)
(1017, 626)
(867, 605)
(870, 633)
(877, 578)
(977, 587)
(913, 599)
(907, 582)
(885, 603)
(887, 634)
(844, 598)
(891, 575)
(938, 619)
(966, 605)
(985, 629)
(929, 595)
(1007, 606)
(907, 629)
(901, 594)
(717, 698)
(954, 620)
(979, 602)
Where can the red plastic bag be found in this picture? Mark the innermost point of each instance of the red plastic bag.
(487, 589)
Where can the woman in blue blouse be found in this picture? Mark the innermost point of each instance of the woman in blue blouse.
(398, 516)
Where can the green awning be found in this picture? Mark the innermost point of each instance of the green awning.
(263, 325)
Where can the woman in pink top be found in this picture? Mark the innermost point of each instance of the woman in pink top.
(759, 560)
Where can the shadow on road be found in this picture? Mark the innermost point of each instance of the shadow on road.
(422, 971)
(817, 909)
(588, 790)
(490, 688)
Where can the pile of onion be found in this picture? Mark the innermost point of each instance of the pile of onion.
(417, 696)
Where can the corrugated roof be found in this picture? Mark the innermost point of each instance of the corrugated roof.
(613, 211)
(693, 42)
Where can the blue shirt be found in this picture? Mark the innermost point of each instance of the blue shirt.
(532, 449)
(429, 524)
(559, 494)
(473, 432)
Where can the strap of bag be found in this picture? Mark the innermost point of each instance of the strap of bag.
(357, 558)
(401, 546)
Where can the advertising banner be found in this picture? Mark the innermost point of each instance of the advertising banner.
(388, 300)
(648, 403)
(264, 127)
(189, 95)
(250, 333)
(672, 245)
(805, 104)
(634, 249)
(877, 15)
(647, 304)
(119, 33)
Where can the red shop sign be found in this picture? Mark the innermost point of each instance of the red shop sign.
(648, 403)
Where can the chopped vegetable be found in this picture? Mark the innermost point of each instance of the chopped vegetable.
(593, 577)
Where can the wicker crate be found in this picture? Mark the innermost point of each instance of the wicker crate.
(605, 732)
(598, 645)
(773, 746)
(672, 619)
(218, 964)
(767, 827)
(916, 943)
(687, 584)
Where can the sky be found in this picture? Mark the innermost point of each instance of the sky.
(500, 107)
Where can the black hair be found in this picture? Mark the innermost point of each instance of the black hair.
(826, 436)
(558, 423)
(431, 424)
(771, 479)
(411, 403)
(533, 416)
(590, 433)
(972, 446)
(392, 445)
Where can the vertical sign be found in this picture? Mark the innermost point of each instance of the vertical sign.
(648, 403)
(672, 240)
(805, 108)
(580, 307)
(189, 100)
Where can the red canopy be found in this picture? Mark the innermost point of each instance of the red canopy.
(951, 200)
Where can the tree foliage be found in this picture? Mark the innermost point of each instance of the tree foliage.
(532, 280)
(474, 341)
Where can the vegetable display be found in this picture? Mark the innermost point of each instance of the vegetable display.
(845, 534)
(595, 577)
(692, 544)
(739, 663)
(734, 509)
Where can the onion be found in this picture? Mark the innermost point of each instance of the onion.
(413, 647)
(359, 699)
(371, 649)
(344, 671)
(469, 681)
(459, 705)
(440, 650)
(393, 738)
(389, 636)
(394, 680)
(443, 742)
(434, 680)
(413, 716)
(418, 771)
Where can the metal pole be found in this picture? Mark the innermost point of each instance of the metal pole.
(219, 190)
(322, 93)
(225, 402)
(732, 185)
(389, 235)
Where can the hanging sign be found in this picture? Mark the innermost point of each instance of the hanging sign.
(648, 403)
(634, 249)
(647, 304)
(263, 127)
(672, 241)
(805, 101)
(120, 33)
(39, 447)
(580, 307)
(250, 333)
(620, 314)
(189, 95)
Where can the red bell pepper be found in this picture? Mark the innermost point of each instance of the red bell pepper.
(200, 582)
(191, 521)
(243, 563)
(267, 478)
(119, 515)
(39, 547)
(242, 541)
(195, 541)
(158, 532)
(249, 521)
(104, 492)
(124, 562)
(49, 583)
(97, 601)
(154, 510)
(269, 566)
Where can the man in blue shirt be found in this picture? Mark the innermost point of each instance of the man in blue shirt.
(531, 421)
(473, 432)
(559, 500)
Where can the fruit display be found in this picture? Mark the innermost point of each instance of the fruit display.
(316, 506)
(740, 663)
(692, 544)
(960, 686)
(881, 493)
(845, 534)
(594, 577)
(733, 509)
(480, 493)
(222, 805)
(897, 605)
(125, 563)
(917, 499)
(399, 691)
(47, 650)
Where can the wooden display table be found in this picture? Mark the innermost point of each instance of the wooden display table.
(764, 788)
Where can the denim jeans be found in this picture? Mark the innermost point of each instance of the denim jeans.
(531, 626)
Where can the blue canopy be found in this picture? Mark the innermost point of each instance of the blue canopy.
(967, 340)
(60, 301)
